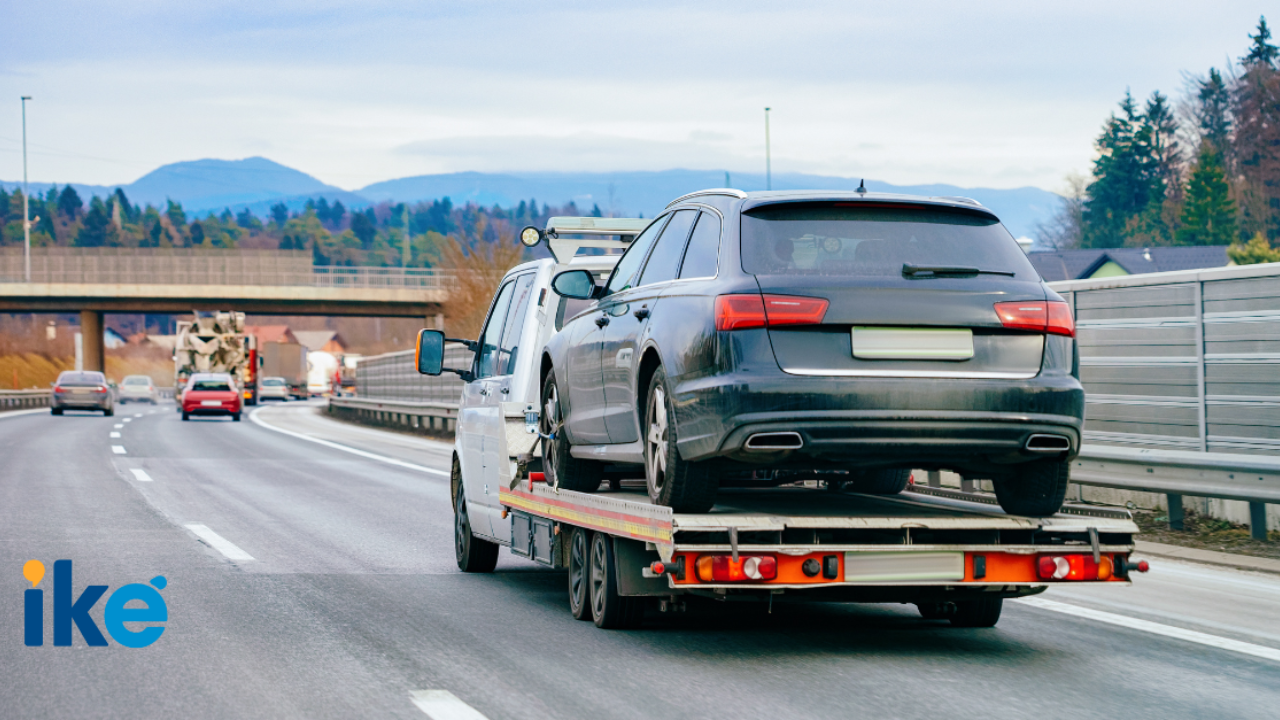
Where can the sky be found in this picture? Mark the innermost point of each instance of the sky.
(994, 94)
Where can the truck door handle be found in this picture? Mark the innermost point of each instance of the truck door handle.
(484, 391)
(602, 321)
(505, 390)
(642, 313)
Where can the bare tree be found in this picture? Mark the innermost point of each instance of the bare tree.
(1064, 229)
(478, 265)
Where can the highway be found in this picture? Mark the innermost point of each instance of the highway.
(308, 581)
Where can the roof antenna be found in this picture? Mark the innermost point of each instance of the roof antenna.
(862, 186)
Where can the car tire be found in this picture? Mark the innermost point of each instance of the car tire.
(1034, 489)
(683, 486)
(473, 554)
(235, 417)
(980, 613)
(109, 412)
(56, 411)
(610, 610)
(564, 471)
(580, 574)
(186, 417)
(880, 482)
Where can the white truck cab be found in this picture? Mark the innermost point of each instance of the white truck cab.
(502, 382)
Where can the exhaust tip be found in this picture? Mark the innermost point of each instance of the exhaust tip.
(1048, 443)
(775, 441)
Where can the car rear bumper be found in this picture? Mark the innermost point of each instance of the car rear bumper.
(201, 410)
(80, 403)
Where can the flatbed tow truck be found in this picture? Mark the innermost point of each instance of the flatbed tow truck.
(953, 554)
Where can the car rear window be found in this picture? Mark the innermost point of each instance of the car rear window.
(82, 378)
(840, 239)
(272, 382)
(137, 380)
(211, 386)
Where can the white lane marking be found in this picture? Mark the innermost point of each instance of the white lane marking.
(140, 475)
(118, 449)
(362, 453)
(219, 543)
(115, 434)
(131, 419)
(1156, 628)
(15, 413)
(138, 415)
(118, 425)
(444, 705)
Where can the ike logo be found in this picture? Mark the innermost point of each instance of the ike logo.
(114, 615)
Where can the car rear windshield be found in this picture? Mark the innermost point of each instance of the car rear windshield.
(137, 380)
(211, 386)
(272, 382)
(844, 239)
(81, 378)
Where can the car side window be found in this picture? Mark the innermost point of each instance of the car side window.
(487, 356)
(625, 271)
(509, 348)
(704, 248)
(664, 261)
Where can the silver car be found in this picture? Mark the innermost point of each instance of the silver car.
(273, 388)
(138, 388)
(81, 390)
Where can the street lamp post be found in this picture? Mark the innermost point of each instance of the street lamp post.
(26, 199)
(768, 159)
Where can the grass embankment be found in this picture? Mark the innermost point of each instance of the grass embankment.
(1206, 533)
(29, 358)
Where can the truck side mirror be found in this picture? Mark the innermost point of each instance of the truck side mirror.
(429, 358)
(576, 284)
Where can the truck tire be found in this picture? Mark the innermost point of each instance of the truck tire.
(473, 554)
(56, 411)
(980, 613)
(880, 482)
(580, 574)
(1035, 489)
(610, 610)
(563, 470)
(685, 487)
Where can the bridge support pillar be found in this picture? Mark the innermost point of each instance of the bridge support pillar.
(95, 356)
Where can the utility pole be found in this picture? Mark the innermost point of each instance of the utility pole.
(26, 200)
(768, 159)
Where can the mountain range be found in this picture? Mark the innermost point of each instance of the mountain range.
(258, 183)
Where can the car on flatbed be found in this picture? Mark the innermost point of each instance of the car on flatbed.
(784, 531)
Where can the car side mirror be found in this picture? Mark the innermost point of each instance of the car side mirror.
(429, 358)
(576, 284)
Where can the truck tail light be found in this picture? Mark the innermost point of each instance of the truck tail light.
(723, 568)
(1037, 315)
(1074, 567)
(741, 312)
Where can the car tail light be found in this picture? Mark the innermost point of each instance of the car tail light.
(100, 389)
(58, 389)
(1074, 567)
(741, 312)
(723, 568)
(1046, 317)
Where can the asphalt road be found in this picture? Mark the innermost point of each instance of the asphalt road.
(352, 602)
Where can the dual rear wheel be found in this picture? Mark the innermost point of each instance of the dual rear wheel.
(593, 584)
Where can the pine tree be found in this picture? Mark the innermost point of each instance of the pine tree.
(69, 203)
(93, 233)
(1125, 178)
(280, 214)
(1208, 214)
(1257, 250)
(1261, 52)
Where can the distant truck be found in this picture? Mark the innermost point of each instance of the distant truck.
(216, 343)
(286, 360)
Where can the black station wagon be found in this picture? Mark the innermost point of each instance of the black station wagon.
(761, 337)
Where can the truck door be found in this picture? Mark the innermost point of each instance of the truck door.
(477, 408)
(629, 312)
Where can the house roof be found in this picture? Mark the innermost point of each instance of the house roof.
(272, 333)
(1079, 264)
(316, 340)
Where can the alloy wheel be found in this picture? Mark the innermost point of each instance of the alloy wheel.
(656, 441)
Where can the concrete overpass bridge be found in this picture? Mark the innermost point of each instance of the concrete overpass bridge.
(261, 283)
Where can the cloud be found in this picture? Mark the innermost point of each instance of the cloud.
(579, 151)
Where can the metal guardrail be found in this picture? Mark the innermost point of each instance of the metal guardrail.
(439, 416)
(1254, 479)
(18, 399)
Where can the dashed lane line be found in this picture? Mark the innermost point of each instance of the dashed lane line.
(115, 434)
(118, 425)
(336, 446)
(444, 705)
(138, 415)
(128, 420)
(140, 475)
(118, 450)
(1261, 651)
(229, 549)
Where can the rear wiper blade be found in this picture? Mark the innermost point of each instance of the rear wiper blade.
(912, 270)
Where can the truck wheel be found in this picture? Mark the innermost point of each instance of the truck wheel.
(610, 610)
(880, 482)
(473, 554)
(683, 486)
(56, 411)
(981, 613)
(563, 470)
(1036, 489)
(580, 574)
(936, 610)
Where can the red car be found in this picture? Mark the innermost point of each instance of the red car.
(211, 394)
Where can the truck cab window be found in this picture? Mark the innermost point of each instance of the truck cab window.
(487, 356)
(508, 350)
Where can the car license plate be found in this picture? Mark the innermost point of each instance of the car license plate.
(81, 391)
(903, 566)
(211, 403)
(881, 343)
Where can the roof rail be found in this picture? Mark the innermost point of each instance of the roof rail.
(959, 199)
(712, 191)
